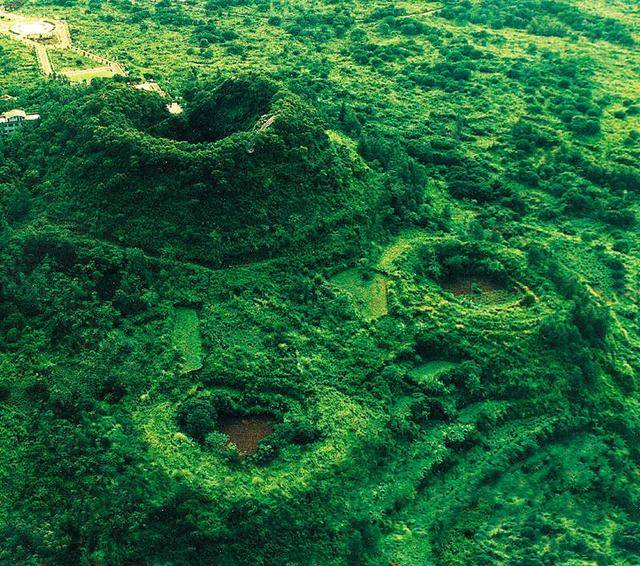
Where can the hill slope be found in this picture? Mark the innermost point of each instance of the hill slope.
(372, 299)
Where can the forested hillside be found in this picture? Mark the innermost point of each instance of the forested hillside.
(370, 298)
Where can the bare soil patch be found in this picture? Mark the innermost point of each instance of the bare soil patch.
(472, 286)
(246, 432)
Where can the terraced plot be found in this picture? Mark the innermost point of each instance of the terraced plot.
(186, 338)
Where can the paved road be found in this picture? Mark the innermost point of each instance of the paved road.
(63, 34)
(43, 58)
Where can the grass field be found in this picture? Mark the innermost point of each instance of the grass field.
(67, 60)
(369, 296)
(87, 75)
(186, 338)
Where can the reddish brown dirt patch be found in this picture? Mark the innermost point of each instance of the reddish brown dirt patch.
(468, 286)
(246, 432)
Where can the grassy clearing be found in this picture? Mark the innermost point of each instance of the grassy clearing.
(478, 289)
(86, 75)
(186, 338)
(369, 296)
(66, 60)
(403, 244)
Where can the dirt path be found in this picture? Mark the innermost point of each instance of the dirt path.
(420, 13)
(43, 59)
(62, 37)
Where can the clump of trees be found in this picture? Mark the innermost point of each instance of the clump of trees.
(540, 17)
(257, 157)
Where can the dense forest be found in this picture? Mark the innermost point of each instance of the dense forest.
(371, 298)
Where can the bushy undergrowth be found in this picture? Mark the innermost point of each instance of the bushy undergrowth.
(407, 239)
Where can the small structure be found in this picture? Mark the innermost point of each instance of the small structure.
(36, 30)
(174, 108)
(14, 119)
(151, 86)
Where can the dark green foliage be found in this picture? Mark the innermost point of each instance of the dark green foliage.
(19, 205)
(217, 111)
(540, 17)
(255, 166)
(197, 417)
(405, 247)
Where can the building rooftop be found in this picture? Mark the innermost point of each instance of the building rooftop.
(151, 86)
(17, 115)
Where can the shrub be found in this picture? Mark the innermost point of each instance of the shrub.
(197, 417)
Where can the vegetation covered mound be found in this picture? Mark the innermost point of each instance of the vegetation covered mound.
(246, 172)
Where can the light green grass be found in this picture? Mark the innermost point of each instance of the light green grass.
(186, 338)
(369, 296)
(67, 60)
(88, 74)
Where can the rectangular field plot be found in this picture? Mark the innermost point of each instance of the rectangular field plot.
(369, 296)
(86, 75)
(186, 338)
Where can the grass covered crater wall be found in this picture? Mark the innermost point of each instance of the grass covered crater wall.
(247, 172)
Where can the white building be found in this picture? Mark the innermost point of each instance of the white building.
(14, 119)
(174, 108)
